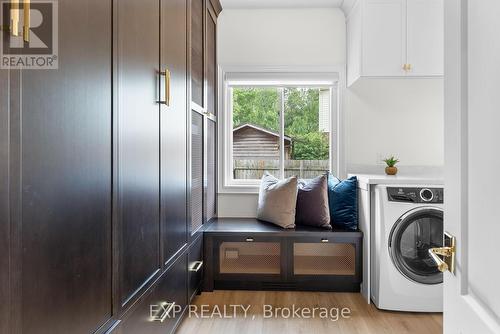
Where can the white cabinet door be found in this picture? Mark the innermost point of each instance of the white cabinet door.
(384, 34)
(425, 37)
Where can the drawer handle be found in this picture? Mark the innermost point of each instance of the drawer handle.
(166, 308)
(249, 239)
(196, 266)
(324, 240)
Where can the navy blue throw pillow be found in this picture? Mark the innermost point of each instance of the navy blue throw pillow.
(343, 202)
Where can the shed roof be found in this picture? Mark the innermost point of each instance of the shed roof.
(258, 128)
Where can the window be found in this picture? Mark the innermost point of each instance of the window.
(278, 124)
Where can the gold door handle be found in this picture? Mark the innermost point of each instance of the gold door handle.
(27, 20)
(447, 252)
(14, 17)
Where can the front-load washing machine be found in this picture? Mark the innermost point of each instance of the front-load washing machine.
(408, 220)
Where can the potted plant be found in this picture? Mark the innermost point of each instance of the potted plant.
(391, 168)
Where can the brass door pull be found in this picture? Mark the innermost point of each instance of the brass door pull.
(443, 251)
(168, 76)
(14, 17)
(27, 20)
(447, 252)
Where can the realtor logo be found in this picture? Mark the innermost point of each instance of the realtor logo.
(29, 34)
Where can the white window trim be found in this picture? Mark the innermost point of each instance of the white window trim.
(337, 138)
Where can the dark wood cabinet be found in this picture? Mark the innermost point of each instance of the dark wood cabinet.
(161, 310)
(96, 169)
(5, 227)
(138, 144)
(197, 51)
(203, 145)
(173, 128)
(59, 162)
(195, 267)
(211, 58)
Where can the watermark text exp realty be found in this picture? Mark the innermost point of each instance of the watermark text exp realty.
(265, 312)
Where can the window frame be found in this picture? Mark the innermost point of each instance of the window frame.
(316, 78)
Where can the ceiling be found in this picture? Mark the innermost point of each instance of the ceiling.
(228, 4)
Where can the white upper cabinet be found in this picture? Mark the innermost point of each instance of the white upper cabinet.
(394, 38)
(383, 45)
(425, 37)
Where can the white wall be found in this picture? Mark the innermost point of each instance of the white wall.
(395, 116)
(403, 117)
(281, 37)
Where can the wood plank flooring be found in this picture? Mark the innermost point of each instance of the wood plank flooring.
(363, 318)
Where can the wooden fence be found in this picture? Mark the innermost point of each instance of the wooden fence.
(254, 169)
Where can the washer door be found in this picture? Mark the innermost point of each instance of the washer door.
(413, 234)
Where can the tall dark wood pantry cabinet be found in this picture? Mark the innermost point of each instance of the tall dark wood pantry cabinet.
(101, 163)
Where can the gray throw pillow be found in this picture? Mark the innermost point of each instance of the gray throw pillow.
(312, 203)
(277, 200)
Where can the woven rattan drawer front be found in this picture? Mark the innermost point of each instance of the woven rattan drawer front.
(324, 259)
(250, 258)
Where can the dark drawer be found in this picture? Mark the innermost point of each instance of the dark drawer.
(195, 267)
(249, 257)
(161, 310)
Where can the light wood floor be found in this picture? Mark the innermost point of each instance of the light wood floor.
(364, 318)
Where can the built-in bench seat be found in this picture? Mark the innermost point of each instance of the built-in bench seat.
(250, 254)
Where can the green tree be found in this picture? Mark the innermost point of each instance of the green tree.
(257, 106)
(261, 107)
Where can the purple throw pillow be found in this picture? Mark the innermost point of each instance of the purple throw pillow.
(312, 203)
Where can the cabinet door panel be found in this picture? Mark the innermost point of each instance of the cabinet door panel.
(426, 37)
(211, 179)
(173, 129)
(211, 63)
(171, 289)
(197, 52)
(65, 182)
(138, 142)
(384, 50)
(196, 171)
(195, 269)
(4, 201)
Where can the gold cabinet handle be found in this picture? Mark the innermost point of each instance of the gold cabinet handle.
(14, 17)
(27, 20)
(407, 67)
(196, 267)
(166, 308)
(167, 76)
(167, 87)
(448, 253)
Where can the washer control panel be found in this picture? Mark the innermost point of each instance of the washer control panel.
(415, 195)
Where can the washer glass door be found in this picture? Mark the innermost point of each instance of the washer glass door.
(411, 237)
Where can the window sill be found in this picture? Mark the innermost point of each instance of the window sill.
(240, 189)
